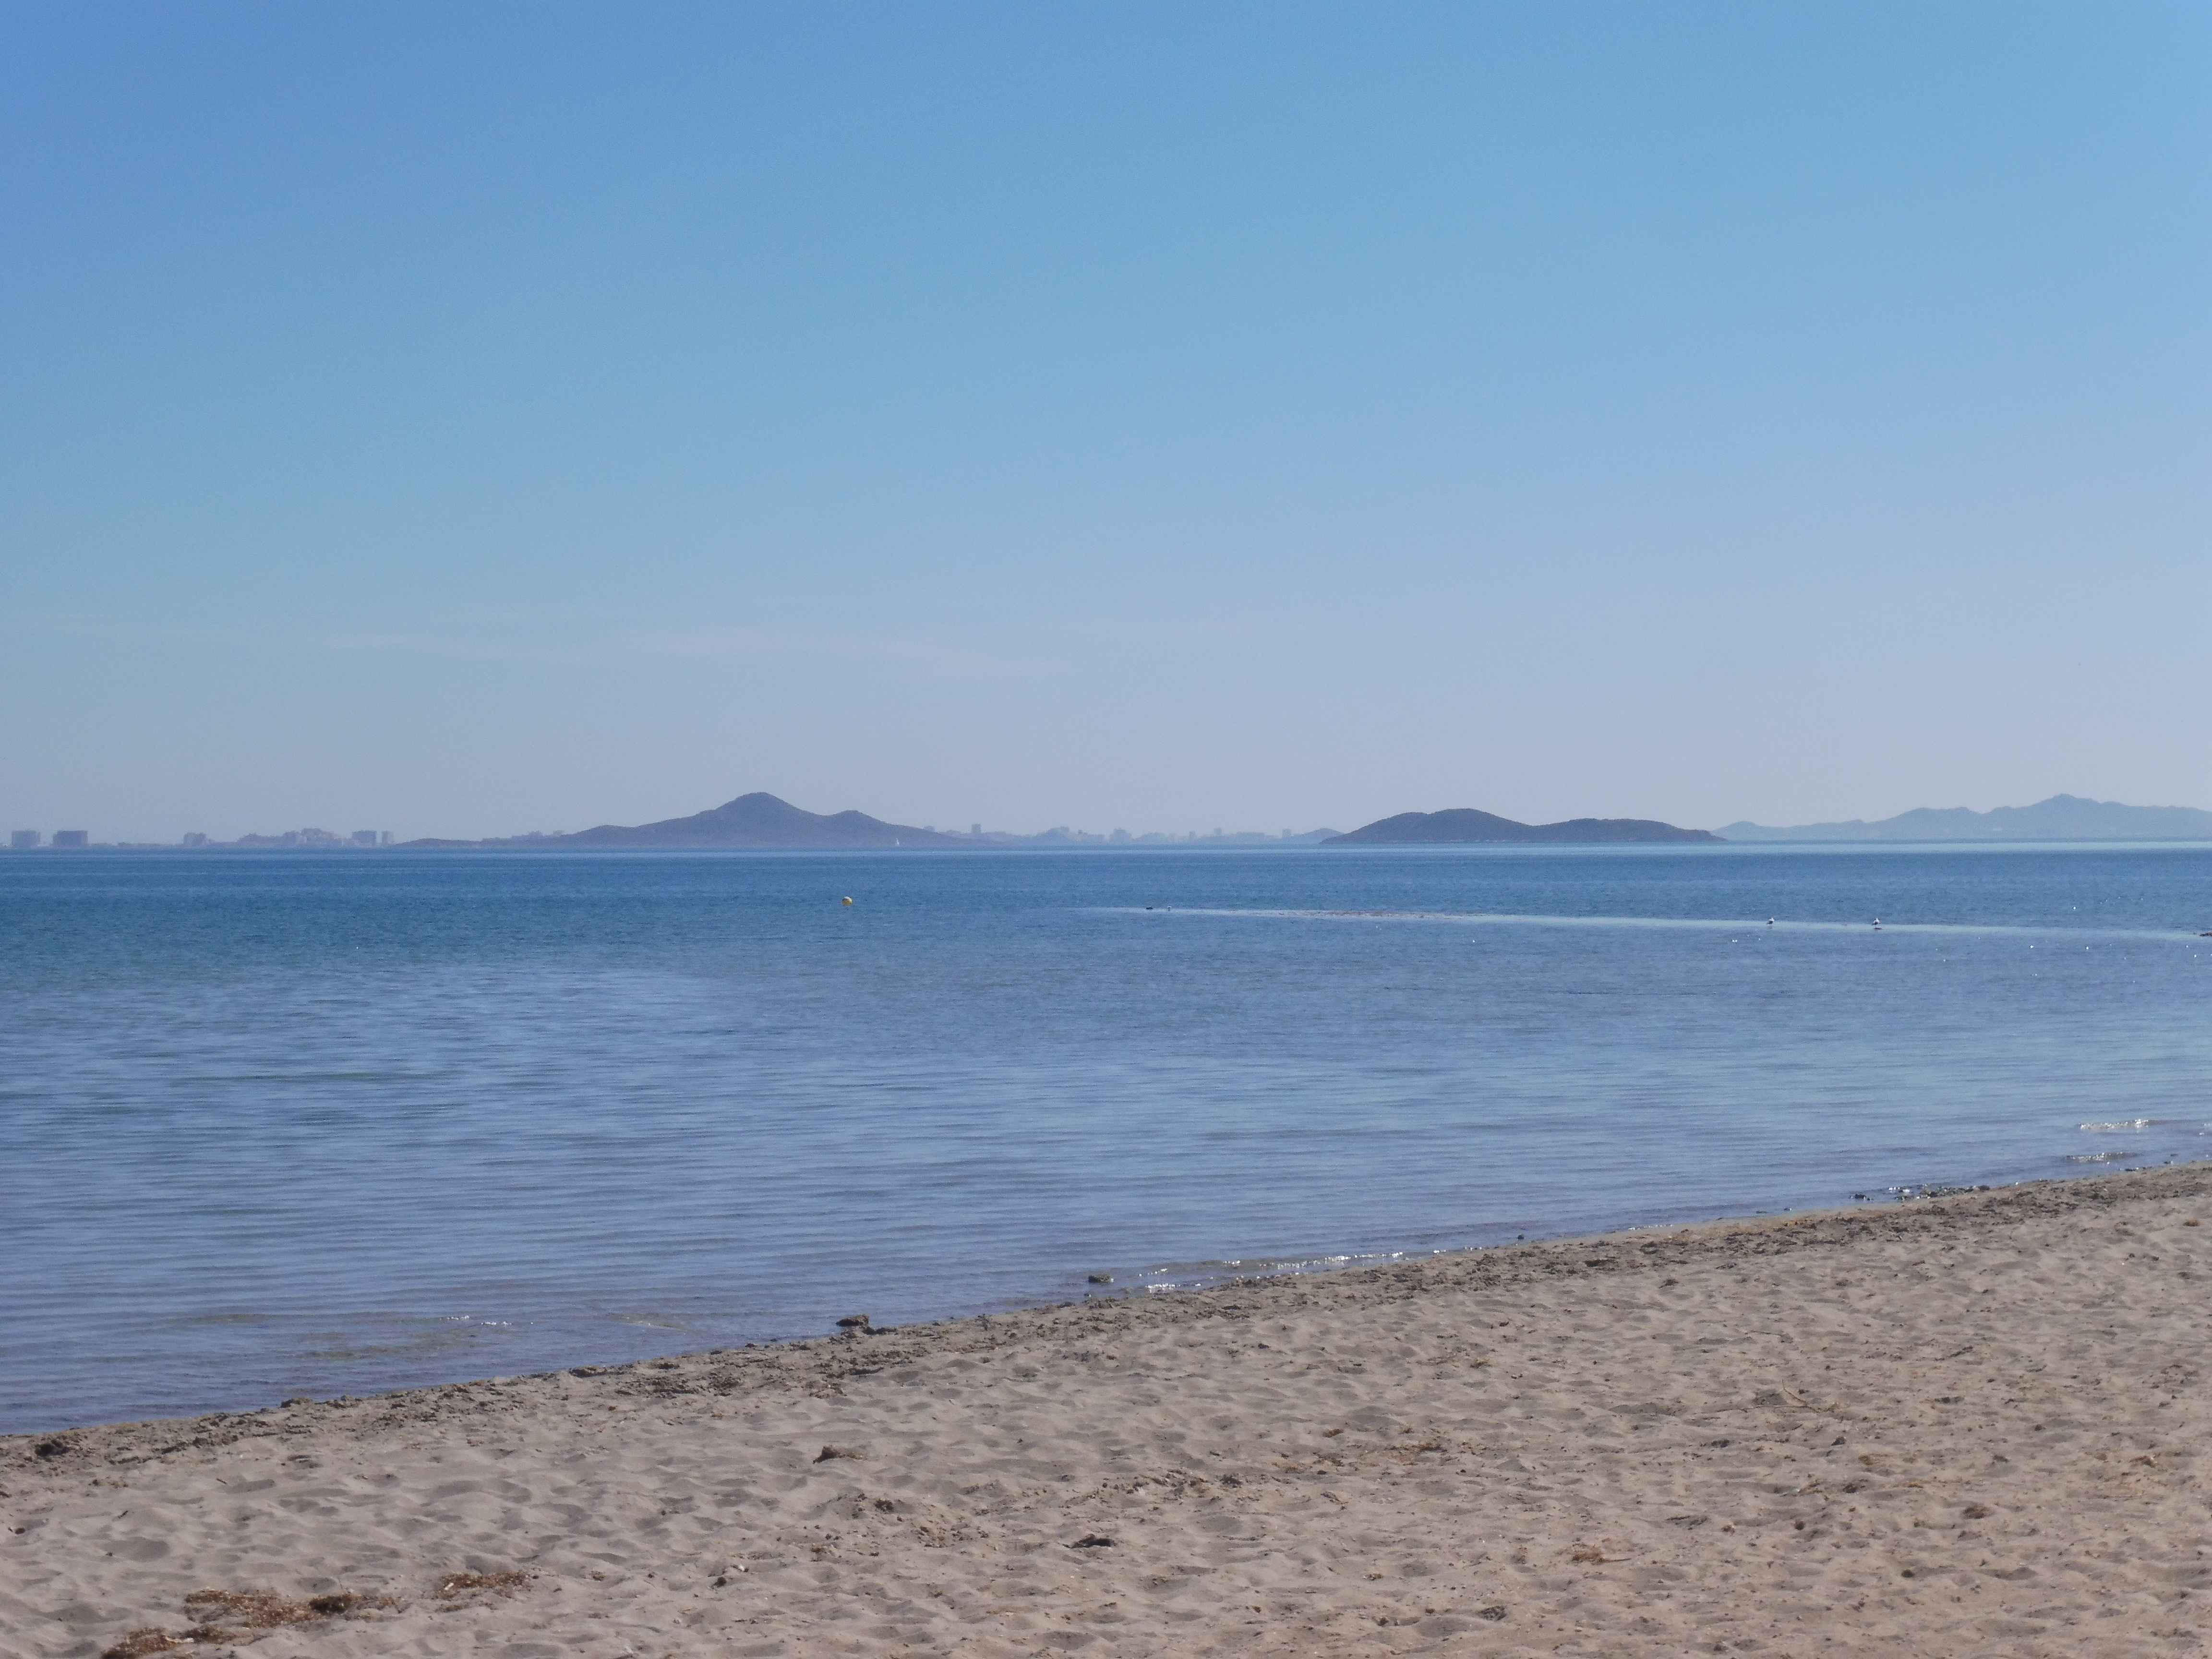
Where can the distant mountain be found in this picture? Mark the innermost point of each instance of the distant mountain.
(2062, 817)
(763, 821)
(757, 820)
(1462, 825)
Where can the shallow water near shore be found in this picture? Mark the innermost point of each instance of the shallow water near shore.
(296, 1124)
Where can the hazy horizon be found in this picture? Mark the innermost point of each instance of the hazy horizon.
(464, 424)
(1133, 831)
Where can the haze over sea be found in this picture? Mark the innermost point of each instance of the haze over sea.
(295, 1124)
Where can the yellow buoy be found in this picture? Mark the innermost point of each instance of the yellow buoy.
(849, 898)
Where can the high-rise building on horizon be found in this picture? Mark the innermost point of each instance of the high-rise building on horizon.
(22, 841)
(72, 838)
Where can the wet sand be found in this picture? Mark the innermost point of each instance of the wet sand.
(1962, 1425)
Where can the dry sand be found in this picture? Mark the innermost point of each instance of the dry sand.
(1960, 1426)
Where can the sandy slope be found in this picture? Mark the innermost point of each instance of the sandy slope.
(1968, 1425)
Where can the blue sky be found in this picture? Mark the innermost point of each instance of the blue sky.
(467, 420)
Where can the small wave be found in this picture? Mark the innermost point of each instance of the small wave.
(1933, 1189)
(2100, 1158)
(2122, 1126)
(1735, 927)
(1200, 1275)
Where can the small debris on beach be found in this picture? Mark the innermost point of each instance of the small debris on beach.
(145, 1640)
(456, 1586)
(245, 1614)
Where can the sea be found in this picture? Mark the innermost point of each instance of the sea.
(292, 1124)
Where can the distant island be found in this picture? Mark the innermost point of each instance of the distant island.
(759, 820)
(2061, 818)
(1464, 826)
(762, 822)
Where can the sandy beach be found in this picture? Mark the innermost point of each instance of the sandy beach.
(1959, 1425)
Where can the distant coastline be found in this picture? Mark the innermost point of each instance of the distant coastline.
(2059, 818)
(762, 822)
(765, 822)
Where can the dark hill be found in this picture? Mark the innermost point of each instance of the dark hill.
(755, 820)
(1463, 826)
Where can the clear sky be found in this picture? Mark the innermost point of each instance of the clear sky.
(470, 419)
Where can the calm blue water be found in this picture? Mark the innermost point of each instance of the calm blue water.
(296, 1124)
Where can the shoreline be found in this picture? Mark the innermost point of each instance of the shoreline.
(1189, 1298)
(1856, 1429)
(1197, 1279)
(1204, 1278)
